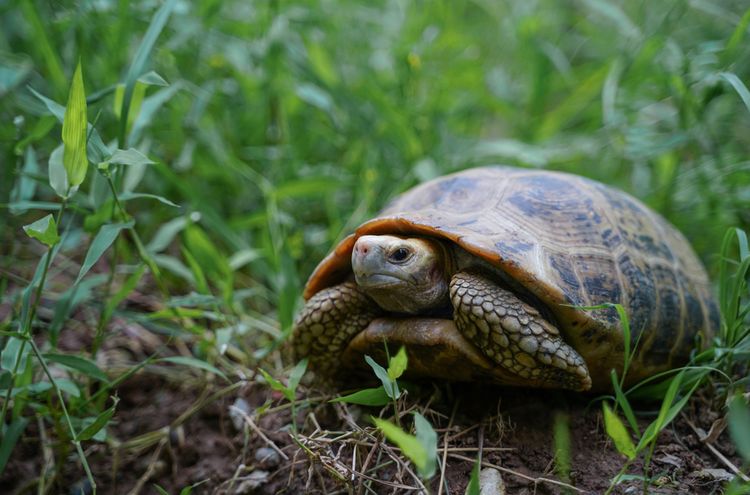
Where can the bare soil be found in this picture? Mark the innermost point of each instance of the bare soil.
(514, 427)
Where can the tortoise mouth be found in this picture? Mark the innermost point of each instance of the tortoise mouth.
(378, 280)
(435, 346)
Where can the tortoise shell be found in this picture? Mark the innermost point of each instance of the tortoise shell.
(572, 242)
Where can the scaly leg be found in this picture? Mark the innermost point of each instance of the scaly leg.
(514, 334)
(329, 320)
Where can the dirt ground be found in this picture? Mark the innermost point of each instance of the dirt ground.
(513, 426)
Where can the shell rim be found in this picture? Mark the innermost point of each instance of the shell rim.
(336, 266)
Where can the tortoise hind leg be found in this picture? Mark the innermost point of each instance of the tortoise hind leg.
(514, 334)
(329, 320)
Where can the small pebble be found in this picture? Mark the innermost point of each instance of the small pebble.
(251, 482)
(82, 487)
(267, 457)
(490, 482)
(237, 420)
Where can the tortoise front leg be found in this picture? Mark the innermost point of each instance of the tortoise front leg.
(514, 334)
(329, 320)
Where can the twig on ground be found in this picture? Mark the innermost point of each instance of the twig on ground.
(151, 468)
(257, 430)
(446, 441)
(704, 438)
(365, 464)
(520, 475)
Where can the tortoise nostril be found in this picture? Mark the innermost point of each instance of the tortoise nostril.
(361, 248)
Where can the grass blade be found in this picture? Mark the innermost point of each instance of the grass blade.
(100, 422)
(473, 487)
(738, 86)
(194, 363)
(10, 438)
(739, 426)
(137, 68)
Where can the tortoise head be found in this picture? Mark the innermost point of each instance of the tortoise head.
(402, 275)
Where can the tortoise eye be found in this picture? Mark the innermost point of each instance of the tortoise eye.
(399, 255)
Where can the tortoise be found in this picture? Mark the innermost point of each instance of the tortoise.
(490, 274)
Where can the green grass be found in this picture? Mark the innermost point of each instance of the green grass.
(263, 132)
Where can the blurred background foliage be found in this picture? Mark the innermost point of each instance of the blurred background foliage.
(285, 124)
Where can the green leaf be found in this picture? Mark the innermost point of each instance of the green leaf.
(70, 299)
(366, 397)
(622, 401)
(618, 433)
(139, 62)
(195, 363)
(667, 412)
(390, 386)
(166, 234)
(139, 92)
(58, 177)
(25, 187)
(43, 230)
(175, 266)
(127, 196)
(96, 148)
(100, 422)
(739, 426)
(201, 284)
(409, 445)
(212, 261)
(130, 156)
(296, 375)
(243, 257)
(161, 490)
(428, 438)
(153, 79)
(397, 364)
(586, 90)
(473, 487)
(74, 128)
(36, 280)
(150, 108)
(9, 356)
(40, 34)
(68, 386)
(127, 287)
(189, 489)
(43, 127)
(10, 436)
(308, 187)
(24, 206)
(321, 63)
(277, 385)
(77, 363)
(104, 238)
(738, 86)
